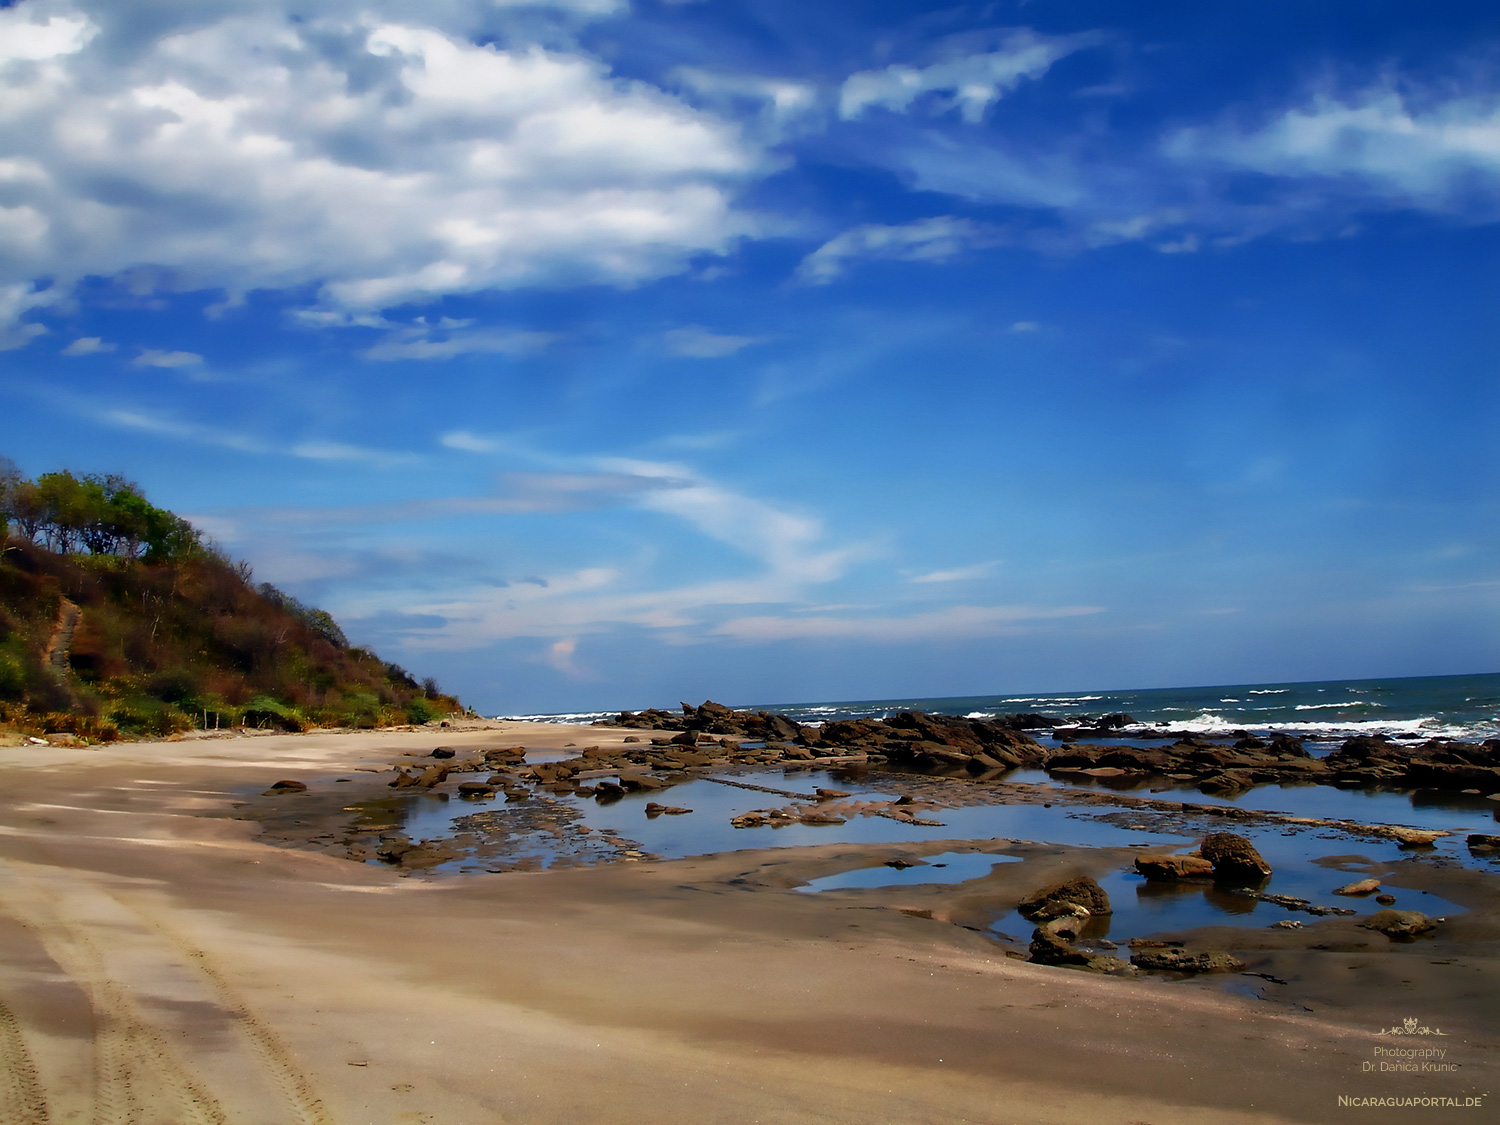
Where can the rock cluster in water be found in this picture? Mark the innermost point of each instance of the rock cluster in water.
(1219, 767)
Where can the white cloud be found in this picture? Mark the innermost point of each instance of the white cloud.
(153, 357)
(954, 623)
(1025, 326)
(1424, 153)
(970, 83)
(87, 345)
(699, 343)
(925, 240)
(381, 162)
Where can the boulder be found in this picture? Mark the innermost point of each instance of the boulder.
(1233, 856)
(1173, 867)
(444, 752)
(1186, 961)
(1480, 842)
(1399, 924)
(1055, 901)
(1386, 900)
(475, 789)
(1362, 887)
(286, 787)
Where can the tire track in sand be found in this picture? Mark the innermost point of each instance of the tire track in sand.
(21, 1098)
(273, 1055)
(133, 1063)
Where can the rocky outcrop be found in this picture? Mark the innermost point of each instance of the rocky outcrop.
(1360, 887)
(1435, 764)
(1233, 857)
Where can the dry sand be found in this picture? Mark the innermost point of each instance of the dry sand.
(160, 962)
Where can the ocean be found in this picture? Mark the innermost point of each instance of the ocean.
(1449, 707)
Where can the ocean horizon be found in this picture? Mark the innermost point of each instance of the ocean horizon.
(1465, 707)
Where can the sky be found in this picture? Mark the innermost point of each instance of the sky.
(592, 354)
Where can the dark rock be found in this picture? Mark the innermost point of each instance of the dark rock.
(1052, 901)
(1233, 856)
(444, 752)
(1386, 900)
(286, 787)
(654, 810)
(1480, 842)
(475, 789)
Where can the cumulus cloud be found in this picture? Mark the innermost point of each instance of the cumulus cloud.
(694, 342)
(970, 83)
(926, 240)
(345, 149)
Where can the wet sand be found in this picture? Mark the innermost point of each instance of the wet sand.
(162, 961)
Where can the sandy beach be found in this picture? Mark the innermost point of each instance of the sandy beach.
(164, 961)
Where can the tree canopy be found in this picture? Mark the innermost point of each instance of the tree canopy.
(98, 513)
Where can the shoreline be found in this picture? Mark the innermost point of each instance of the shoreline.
(624, 991)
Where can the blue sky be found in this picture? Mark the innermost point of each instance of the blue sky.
(594, 354)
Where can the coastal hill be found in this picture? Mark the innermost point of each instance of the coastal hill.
(118, 619)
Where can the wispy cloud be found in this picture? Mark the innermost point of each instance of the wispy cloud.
(155, 357)
(221, 438)
(970, 83)
(957, 574)
(422, 342)
(953, 623)
(1377, 143)
(925, 240)
(699, 343)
